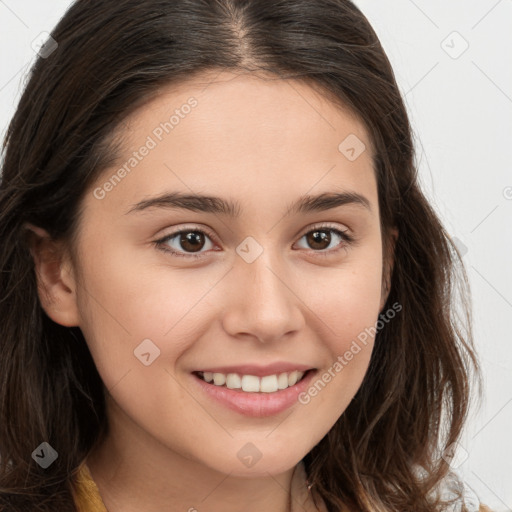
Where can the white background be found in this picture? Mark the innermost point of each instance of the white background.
(461, 111)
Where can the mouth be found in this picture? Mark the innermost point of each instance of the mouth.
(253, 396)
(252, 383)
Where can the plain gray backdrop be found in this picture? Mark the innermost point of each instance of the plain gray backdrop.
(452, 62)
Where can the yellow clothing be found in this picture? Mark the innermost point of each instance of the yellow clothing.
(86, 494)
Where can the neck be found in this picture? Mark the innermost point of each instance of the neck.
(134, 475)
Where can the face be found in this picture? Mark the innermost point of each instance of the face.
(266, 278)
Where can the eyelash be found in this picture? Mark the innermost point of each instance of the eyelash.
(347, 240)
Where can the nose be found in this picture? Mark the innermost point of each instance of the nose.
(262, 302)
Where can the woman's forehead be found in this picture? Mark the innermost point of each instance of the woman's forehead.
(233, 107)
(242, 133)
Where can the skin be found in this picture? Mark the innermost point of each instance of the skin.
(264, 144)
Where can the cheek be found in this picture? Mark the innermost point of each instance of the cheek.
(130, 307)
(112, 298)
(346, 300)
(344, 309)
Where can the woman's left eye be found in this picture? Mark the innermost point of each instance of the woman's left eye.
(189, 242)
(319, 236)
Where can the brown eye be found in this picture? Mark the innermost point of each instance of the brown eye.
(326, 240)
(192, 241)
(187, 243)
(318, 239)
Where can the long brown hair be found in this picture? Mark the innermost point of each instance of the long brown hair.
(110, 58)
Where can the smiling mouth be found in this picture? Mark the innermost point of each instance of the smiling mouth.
(252, 383)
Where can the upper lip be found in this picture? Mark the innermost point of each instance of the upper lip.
(257, 370)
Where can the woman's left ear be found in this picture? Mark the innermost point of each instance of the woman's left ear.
(387, 266)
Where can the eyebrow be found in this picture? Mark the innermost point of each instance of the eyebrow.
(218, 205)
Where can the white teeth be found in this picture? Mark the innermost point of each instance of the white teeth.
(219, 379)
(233, 381)
(250, 383)
(293, 377)
(253, 384)
(268, 384)
(282, 381)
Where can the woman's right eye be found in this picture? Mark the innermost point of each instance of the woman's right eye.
(189, 240)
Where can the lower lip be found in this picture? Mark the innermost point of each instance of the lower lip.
(256, 405)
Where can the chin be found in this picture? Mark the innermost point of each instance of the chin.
(272, 465)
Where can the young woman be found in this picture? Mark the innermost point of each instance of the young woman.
(222, 287)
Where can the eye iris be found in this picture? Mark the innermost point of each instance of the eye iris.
(315, 237)
(195, 238)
